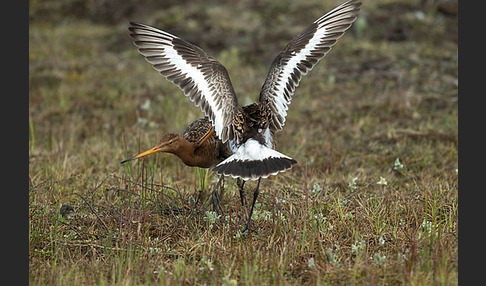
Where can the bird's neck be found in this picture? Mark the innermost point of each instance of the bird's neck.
(186, 151)
(202, 157)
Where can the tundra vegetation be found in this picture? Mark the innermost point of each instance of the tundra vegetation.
(372, 201)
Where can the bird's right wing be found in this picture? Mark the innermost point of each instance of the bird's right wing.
(300, 55)
(200, 76)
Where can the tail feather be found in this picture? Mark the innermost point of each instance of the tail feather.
(253, 161)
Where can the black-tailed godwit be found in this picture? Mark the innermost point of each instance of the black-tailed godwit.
(249, 129)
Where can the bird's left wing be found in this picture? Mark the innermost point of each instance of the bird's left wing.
(200, 76)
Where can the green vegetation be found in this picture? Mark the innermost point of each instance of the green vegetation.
(373, 200)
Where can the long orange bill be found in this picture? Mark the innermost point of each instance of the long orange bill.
(143, 154)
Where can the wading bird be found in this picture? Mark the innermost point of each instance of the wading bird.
(196, 146)
(249, 129)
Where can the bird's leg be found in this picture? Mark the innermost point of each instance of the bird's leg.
(222, 186)
(241, 184)
(215, 197)
(255, 195)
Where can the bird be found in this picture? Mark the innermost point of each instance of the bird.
(250, 130)
(196, 146)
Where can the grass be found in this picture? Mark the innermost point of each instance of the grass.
(348, 213)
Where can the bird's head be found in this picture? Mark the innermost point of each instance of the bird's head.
(170, 143)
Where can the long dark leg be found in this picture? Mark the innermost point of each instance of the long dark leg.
(215, 197)
(241, 183)
(255, 195)
(222, 186)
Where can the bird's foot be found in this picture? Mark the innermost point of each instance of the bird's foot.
(216, 202)
(248, 229)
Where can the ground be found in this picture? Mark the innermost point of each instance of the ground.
(372, 200)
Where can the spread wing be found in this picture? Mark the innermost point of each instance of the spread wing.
(300, 55)
(200, 76)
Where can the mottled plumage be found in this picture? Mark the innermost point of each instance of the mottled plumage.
(212, 151)
(249, 129)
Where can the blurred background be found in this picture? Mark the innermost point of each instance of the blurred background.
(93, 100)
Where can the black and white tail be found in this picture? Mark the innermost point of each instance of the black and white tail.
(253, 161)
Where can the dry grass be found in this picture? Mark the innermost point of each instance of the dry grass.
(387, 90)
